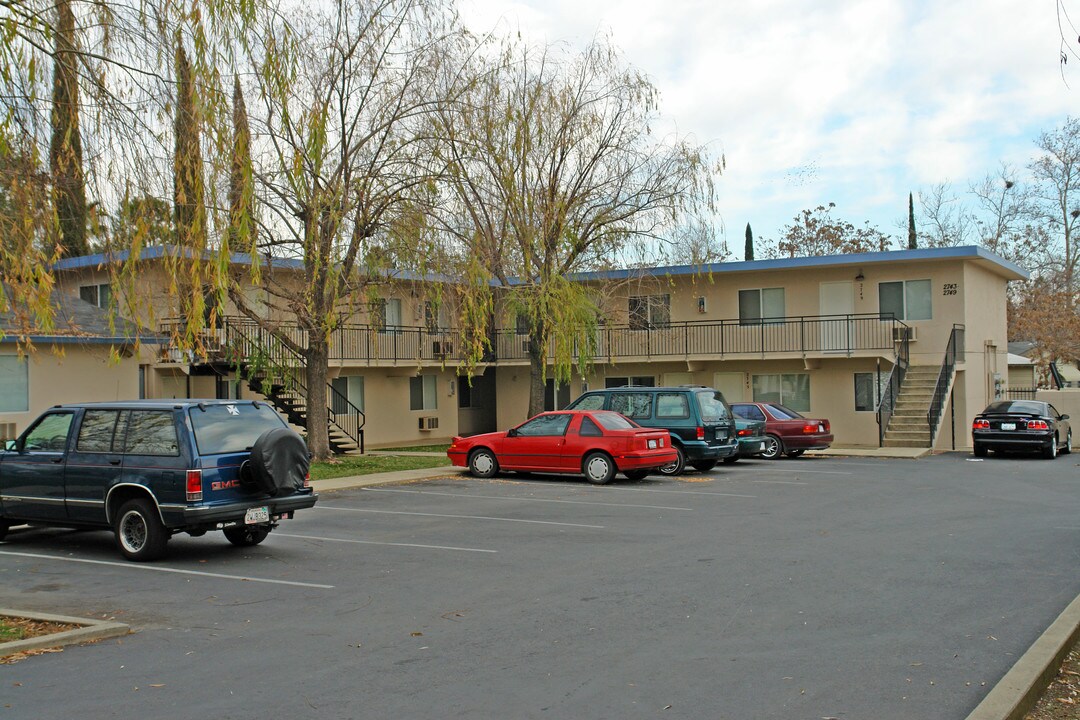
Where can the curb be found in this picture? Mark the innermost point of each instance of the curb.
(1019, 690)
(92, 630)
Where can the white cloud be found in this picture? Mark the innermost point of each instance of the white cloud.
(852, 101)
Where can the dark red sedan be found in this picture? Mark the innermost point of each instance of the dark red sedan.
(595, 443)
(786, 431)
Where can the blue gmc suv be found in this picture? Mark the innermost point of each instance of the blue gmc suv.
(149, 469)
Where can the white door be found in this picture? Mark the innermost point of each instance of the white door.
(731, 384)
(837, 298)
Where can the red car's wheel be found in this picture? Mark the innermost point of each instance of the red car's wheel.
(774, 447)
(482, 463)
(599, 469)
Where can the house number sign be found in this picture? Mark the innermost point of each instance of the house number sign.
(949, 288)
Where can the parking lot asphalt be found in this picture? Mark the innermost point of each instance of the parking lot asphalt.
(809, 588)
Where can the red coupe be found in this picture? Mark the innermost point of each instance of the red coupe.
(786, 431)
(593, 443)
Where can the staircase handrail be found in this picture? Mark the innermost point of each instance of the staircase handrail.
(340, 411)
(953, 351)
(891, 390)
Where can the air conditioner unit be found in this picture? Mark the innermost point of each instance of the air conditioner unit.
(429, 423)
(898, 333)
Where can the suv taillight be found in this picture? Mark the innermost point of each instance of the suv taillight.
(307, 480)
(980, 425)
(701, 433)
(194, 485)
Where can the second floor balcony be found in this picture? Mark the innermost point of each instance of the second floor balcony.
(237, 339)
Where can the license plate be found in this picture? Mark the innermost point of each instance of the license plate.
(1008, 426)
(653, 444)
(257, 515)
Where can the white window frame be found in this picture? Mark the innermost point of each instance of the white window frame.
(657, 311)
(785, 401)
(762, 317)
(428, 392)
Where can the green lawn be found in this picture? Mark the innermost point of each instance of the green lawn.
(418, 448)
(365, 465)
(9, 632)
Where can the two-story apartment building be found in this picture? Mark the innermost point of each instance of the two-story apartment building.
(828, 336)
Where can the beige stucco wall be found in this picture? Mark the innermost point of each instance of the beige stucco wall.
(80, 373)
(1067, 402)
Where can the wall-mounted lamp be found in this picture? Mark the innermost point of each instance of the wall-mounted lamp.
(860, 277)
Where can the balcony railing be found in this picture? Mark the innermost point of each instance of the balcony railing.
(805, 335)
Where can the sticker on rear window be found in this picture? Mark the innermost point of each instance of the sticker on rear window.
(232, 410)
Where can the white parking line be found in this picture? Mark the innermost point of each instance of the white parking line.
(496, 497)
(800, 470)
(626, 489)
(373, 542)
(158, 568)
(780, 482)
(463, 517)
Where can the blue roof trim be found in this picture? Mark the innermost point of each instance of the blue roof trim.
(78, 340)
(951, 253)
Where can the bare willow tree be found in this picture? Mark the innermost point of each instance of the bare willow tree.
(341, 99)
(553, 168)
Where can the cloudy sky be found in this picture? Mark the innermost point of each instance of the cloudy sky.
(855, 102)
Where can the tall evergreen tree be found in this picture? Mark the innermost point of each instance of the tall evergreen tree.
(749, 252)
(241, 233)
(189, 212)
(911, 222)
(65, 146)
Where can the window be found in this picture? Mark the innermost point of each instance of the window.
(867, 392)
(632, 405)
(97, 432)
(756, 306)
(616, 381)
(589, 428)
(614, 421)
(152, 432)
(223, 429)
(50, 434)
(556, 398)
(748, 412)
(14, 384)
(98, 295)
(711, 405)
(351, 388)
(545, 426)
(672, 405)
(904, 300)
(431, 316)
(385, 314)
(521, 324)
(422, 392)
(589, 402)
(649, 311)
(791, 389)
(142, 382)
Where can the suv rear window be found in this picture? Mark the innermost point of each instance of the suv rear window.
(231, 428)
(711, 405)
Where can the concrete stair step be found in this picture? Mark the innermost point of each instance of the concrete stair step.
(906, 443)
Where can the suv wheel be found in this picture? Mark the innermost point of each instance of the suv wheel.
(676, 467)
(703, 465)
(774, 447)
(248, 536)
(140, 534)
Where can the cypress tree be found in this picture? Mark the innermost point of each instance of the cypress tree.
(188, 208)
(910, 222)
(65, 144)
(749, 252)
(241, 184)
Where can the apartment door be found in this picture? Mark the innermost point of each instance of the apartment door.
(837, 298)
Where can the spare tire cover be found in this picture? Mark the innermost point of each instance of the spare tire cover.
(279, 461)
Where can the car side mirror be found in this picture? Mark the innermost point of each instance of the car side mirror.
(1064, 417)
(512, 432)
(11, 445)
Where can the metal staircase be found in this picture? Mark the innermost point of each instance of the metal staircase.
(921, 399)
(276, 371)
